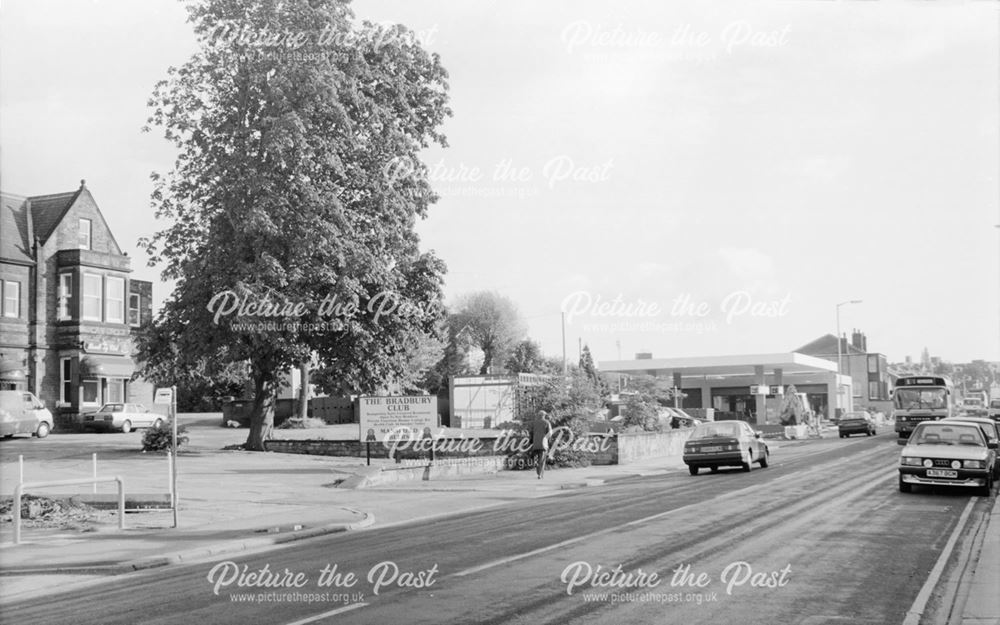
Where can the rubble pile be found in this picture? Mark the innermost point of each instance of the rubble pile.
(45, 512)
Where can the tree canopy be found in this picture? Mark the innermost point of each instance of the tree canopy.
(290, 228)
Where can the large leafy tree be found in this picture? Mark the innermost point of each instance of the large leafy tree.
(291, 121)
(490, 322)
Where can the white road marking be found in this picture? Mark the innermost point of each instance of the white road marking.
(916, 610)
(312, 619)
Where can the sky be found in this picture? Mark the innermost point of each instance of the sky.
(681, 178)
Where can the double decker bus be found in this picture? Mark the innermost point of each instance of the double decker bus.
(919, 398)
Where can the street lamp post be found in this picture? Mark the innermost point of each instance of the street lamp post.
(840, 364)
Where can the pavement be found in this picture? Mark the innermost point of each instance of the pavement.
(233, 502)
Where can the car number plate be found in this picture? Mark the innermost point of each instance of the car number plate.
(941, 473)
(711, 448)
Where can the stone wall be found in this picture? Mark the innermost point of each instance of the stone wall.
(635, 446)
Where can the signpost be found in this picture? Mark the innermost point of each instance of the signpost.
(394, 418)
(168, 397)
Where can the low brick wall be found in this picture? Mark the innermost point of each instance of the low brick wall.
(603, 449)
(635, 446)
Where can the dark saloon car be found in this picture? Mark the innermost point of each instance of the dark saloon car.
(858, 422)
(948, 453)
(724, 444)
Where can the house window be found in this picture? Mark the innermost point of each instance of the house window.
(116, 390)
(872, 363)
(874, 390)
(91, 391)
(11, 299)
(92, 297)
(114, 300)
(133, 309)
(85, 227)
(66, 380)
(65, 295)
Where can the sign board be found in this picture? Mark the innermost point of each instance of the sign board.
(758, 389)
(392, 418)
(164, 396)
(777, 390)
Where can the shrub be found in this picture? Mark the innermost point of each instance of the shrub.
(159, 438)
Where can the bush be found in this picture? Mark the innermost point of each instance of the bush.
(159, 438)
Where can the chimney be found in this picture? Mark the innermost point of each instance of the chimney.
(857, 339)
(644, 356)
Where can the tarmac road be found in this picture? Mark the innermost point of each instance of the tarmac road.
(828, 532)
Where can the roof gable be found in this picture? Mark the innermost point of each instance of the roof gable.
(826, 345)
(48, 211)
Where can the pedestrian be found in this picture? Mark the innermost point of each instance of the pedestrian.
(541, 432)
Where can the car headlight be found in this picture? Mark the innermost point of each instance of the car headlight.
(974, 464)
(955, 464)
(928, 463)
(910, 461)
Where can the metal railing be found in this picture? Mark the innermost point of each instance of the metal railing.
(20, 488)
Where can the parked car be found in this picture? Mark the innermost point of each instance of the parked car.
(724, 444)
(857, 422)
(991, 430)
(994, 410)
(124, 417)
(23, 413)
(948, 453)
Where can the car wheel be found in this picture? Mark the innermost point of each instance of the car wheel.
(157, 424)
(693, 470)
(763, 460)
(904, 487)
(746, 465)
(127, 426)
(843, 436)
(987, 489)
(43, 430)
(714, 469)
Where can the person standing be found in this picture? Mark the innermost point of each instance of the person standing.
(541, 432)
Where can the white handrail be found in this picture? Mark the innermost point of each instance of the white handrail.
(20, 488)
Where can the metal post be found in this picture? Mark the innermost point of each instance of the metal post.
(170, 477)
(173, 449)
(562, 316)
(95, 471)
(20, 468)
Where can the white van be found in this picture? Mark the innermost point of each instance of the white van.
(22, 413)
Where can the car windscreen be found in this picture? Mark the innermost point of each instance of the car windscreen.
(112, 408)
(709, 430)
(941, 434)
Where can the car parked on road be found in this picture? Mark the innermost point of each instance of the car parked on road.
(724, 444)
(856, 422)
(948, 453)
(991, 430)
(23, 413)
(123, 417)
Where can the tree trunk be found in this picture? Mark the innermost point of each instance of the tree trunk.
(262, 416)
(304, 390)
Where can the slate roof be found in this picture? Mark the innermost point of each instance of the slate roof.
(48, 210)
(16, 232)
